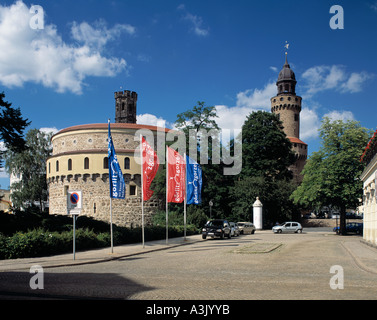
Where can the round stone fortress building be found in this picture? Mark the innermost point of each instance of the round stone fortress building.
(79, 162)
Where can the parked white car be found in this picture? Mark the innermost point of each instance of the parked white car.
(289, 226)
(246, 227)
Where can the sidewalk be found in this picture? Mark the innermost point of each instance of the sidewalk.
(364, 255)
(95, 255)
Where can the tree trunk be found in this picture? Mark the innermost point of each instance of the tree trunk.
(342, 225)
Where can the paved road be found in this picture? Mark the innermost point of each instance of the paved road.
(249, 267)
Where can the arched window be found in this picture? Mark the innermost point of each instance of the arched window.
(69, 164)
(57, 166)
(106, 163)
(86, 163)
(127, 163)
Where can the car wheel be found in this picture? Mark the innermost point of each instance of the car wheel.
(229, 235)
(279, 231)
(252, 232)
(204, 236)
(300, 231)
(222, 236)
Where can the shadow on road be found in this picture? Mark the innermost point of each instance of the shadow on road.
(68, 286)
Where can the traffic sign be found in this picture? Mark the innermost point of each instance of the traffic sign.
(74, 202)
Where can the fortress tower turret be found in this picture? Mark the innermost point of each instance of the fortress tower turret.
(125, 107)
(287, 106)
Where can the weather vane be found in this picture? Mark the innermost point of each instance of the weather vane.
(286, 47)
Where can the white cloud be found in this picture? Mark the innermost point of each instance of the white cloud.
(47, 130)
(3, 173)
(309, 124)
(340, 115)
(247, 101)
(196, 22)
(257, 98)
(355, 82)
(335, 77)
(152, 120)
(373, 6)
(231, 117)
(41, 56)
(100, 35)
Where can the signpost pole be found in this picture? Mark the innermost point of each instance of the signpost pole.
(74, 206)
(74, 236)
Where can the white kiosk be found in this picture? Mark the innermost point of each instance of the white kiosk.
(257, 214)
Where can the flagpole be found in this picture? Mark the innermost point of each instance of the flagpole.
(111, 210)
(116, 181)
(142, 190)
(185, 201)
(111, 224)
(167, 169)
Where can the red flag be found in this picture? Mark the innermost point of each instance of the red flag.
(150, 167)
(176, 177)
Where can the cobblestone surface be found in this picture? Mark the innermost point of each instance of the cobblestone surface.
(297, 267)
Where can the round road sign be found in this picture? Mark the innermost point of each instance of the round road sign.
(74, 198)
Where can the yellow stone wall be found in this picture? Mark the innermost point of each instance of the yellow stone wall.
(369, 177)
(90, 141)
(287, 106)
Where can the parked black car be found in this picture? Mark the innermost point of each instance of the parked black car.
(217, 228)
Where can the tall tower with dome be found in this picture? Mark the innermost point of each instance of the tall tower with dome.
(287, 106)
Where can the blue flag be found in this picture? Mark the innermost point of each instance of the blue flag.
(193, 181)
(117, 185)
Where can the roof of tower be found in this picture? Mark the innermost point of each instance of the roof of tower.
(296, 140)
(286, 74)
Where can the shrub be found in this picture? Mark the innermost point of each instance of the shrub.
(39, 242)
(28, 234)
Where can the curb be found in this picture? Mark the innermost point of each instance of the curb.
(358, 262)
(73, 263)
(50, 262)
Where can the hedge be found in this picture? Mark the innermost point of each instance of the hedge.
(42, 242)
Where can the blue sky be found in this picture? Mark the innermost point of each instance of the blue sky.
(175, 53)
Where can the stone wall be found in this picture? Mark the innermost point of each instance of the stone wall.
(369, 178)
(96, 200)
(288, 107)
(72, 146)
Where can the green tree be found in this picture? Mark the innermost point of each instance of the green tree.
(30, 165)
(331, 175)
(12, 127)
(266, 156)
(215, 183)
(199, 117)
(275, 195)
(266, 151)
